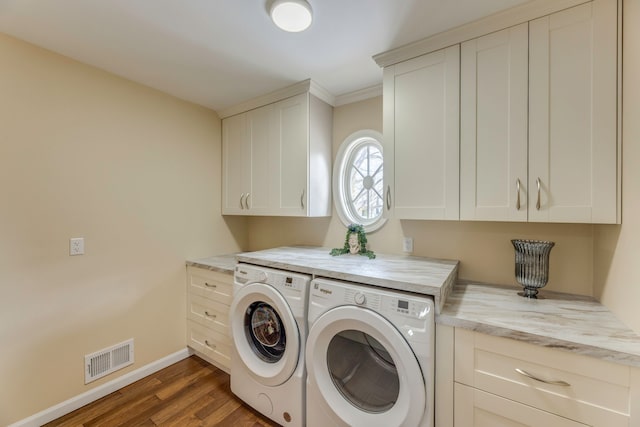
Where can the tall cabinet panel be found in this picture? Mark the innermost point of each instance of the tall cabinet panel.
(493, 126)
(572, 122)
(292, 116)
(236, 150)
(259, 125)
(421, 132)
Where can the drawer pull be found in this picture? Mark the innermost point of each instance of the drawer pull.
(533, 377)
(208, 344)
(209, 285)
(213, 316)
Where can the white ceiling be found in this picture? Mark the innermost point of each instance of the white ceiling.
(219, 53)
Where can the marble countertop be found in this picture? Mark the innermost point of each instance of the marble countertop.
(575, 323)
(220, 263)
(405, 273)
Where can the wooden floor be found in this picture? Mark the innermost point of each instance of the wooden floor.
(188, 393)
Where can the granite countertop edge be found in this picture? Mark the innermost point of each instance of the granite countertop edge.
(616, 343)
(614, 356)
(220, 263)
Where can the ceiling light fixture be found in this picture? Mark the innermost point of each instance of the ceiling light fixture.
(291, 15)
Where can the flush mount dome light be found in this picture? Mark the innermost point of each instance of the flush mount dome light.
(291, 15)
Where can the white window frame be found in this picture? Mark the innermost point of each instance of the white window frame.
(345, 152)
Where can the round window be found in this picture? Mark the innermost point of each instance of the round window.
(265, 332)
(363, 371)
(358, 185)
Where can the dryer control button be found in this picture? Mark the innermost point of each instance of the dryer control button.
(359, 298)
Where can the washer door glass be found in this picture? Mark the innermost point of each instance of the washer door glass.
(363, 371)
(265, 332)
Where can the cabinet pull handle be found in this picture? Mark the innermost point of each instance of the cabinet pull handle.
(533, 377)
(246, 200)
(209, 285)
(388, 197)
(208, 344)
(213, 316)
(302, 199)
(241, 200)
(517, 194)
(538, 199)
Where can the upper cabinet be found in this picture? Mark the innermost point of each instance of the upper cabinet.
(538, 119)
(421, 136)
(277, 159)
(493, 126)
(572, 115)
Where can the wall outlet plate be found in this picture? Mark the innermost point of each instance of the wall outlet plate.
(407, 244)
(76, 246)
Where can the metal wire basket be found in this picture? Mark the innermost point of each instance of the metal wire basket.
(532, 265)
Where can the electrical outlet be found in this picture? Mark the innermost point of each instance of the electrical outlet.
(76, 246)
(407, 244)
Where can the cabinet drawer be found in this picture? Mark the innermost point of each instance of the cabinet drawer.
(210, 284)
(582, 388)
(210, 343)
(208, 313)
(476, 408)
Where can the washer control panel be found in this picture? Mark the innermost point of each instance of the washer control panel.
(245, 274)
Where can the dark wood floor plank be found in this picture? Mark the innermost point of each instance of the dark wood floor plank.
(217, 417)
(88, 412)
(121, 415)
(182, 401)
(188, 393)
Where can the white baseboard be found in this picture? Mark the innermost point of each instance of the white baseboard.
(94, 394)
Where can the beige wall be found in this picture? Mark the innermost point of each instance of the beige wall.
(133, 171)
(484, 248)
(617, 248)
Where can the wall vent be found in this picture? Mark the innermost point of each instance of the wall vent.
(108, 360)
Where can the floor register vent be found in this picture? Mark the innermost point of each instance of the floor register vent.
(108, 360)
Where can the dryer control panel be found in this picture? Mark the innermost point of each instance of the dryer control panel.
(403, 307)
(386, 303)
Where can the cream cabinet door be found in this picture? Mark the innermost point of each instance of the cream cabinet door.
(236, 165)
(493, 126)
(572, 121)
(259, 124)
(476, 408)
(291, 136)
(421, 136)
(246, 147)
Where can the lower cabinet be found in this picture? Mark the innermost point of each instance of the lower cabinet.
(503, 382)
(208, 297)
(478, 408)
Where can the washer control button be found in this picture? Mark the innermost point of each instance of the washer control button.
(359, 298)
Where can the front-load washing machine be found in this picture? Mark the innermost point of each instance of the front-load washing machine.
(267, 321)
(369, 357)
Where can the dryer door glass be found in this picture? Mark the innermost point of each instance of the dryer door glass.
(363, 371)
(265, 332)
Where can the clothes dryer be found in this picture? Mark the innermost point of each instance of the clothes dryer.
(369, 357)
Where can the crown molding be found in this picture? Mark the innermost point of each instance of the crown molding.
(278, 95)
(498, 21)
(358, 95)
